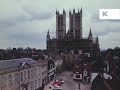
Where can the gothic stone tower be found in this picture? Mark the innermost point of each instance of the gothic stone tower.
(73, 39)
(60, 25)
(75, 23)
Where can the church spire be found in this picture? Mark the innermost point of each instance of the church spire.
(48, 35)
(90, 35)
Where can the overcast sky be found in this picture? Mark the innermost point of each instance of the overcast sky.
(24, 23)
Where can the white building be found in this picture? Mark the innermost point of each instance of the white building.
(58, 63)
(22, 74)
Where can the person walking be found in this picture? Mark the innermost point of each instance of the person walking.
(50, 88)
(43, 85)
(79, 85)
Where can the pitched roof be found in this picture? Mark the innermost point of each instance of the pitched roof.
(4, 64)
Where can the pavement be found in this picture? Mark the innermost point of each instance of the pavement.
(69, 84)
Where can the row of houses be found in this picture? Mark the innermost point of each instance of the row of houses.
(25, 74)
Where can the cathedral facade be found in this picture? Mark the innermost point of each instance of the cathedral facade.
(72, 39)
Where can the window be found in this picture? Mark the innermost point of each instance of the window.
(28, 74)
(3, 81)
(25, 75)
(77, 76)
(31, 72)
(32, 86)
(10, 79)
(21, 76)
(39, 81)
(16, 77)
(35, 84)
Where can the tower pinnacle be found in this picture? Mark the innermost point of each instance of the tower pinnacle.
(64, 11)
(90, 35)
(48, 35)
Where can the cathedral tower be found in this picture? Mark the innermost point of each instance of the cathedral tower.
(75, 23)
(60, 25)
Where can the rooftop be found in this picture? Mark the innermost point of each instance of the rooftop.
(4, 64)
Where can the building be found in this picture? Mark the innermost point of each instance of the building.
(51, 68)
(72, 39)
(55, 66)
(22, 74)
(69, 58)
(82, 70)
(44, 72)
(78, 70)
(104, 82)
(58, 64)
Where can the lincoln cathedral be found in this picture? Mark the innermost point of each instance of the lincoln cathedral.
(72, 39)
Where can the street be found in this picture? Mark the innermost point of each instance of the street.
(69, 84)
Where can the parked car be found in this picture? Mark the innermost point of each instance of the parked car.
(56, 87)
(59, 80)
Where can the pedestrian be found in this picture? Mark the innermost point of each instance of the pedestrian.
(43, 85)
(78, 85)
(50, 88)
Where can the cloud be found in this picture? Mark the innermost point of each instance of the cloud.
(26, 39)
(110, 40)
(25, 22)
(38, 15)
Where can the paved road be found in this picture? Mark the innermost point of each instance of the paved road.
(69, 84)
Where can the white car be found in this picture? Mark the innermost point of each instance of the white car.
(56, 87)
(59, 80)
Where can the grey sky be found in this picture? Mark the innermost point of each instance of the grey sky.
(24, 23)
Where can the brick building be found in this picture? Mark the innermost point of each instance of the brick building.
(82, 69)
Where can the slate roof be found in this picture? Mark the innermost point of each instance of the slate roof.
(98, 83)
(4, 64)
